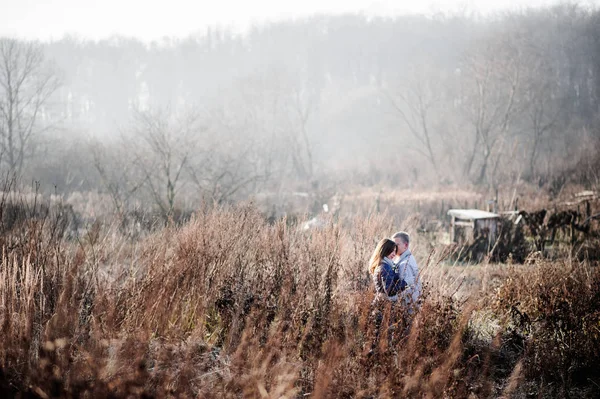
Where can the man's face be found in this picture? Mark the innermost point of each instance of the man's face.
(402, 246)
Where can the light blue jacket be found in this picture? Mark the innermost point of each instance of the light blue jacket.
(406, 266)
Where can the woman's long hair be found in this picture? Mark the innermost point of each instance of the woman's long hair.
(384, 248)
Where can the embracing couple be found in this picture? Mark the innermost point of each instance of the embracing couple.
(395, 272)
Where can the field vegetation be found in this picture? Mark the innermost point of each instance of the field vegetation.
(231, 303)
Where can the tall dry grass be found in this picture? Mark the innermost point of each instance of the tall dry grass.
(230, 305)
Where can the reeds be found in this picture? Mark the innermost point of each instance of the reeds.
(230, 305)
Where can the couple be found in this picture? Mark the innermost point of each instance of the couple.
(395, 272)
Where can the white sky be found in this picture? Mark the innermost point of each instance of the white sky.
(154, 19)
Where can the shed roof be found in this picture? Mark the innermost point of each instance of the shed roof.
(472, 214)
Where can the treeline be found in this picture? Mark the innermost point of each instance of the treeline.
(412, 100)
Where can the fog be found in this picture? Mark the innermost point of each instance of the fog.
(264, 100)
(152, 20)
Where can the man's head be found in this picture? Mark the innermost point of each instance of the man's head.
(402, 239)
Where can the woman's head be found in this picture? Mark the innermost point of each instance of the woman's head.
(385, 247)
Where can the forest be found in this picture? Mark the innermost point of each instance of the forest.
(308, 105)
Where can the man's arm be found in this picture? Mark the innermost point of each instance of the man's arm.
(417, 283)
(406, 270)
(413, 265)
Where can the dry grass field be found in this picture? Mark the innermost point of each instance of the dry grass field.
(231, 304)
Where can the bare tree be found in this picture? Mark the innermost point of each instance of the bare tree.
(279, 108)
(413, 101)
(117, 174)
(543, 107)
(492, 77)
(232, 157)
(162, 143)
(26, 84)
(301, 105)
(222, 174)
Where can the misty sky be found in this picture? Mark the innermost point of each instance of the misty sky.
(153, 19)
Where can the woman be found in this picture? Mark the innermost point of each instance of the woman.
(387, 286)
(387, 282)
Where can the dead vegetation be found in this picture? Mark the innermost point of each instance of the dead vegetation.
(230, 305)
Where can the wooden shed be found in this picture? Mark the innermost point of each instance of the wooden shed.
(469, 225)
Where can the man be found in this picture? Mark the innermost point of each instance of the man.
(408, 270)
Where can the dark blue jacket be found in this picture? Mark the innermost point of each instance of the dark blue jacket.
(386, 280)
